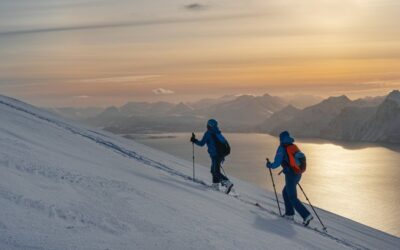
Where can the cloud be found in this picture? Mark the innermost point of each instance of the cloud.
(81, 96)
(161, 91)
(138, 23)
(195, 7)
(118, 79)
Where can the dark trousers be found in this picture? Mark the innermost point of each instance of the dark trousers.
(216, 170)
(290, 196)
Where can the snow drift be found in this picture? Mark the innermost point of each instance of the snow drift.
(65, 186)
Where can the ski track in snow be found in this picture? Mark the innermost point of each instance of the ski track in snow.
(113, 225)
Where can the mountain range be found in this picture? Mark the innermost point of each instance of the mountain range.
(370, 119)
(339, 118)
(237, 113)
(372, 123)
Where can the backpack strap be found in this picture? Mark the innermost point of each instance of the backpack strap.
(215, 137)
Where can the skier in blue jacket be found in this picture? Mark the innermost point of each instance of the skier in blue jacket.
(289, 192)
(213, 133)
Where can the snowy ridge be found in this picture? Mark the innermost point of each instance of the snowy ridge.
(64, 186)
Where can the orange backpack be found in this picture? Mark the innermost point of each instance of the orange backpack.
(297, 160)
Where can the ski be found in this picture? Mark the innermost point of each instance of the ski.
(294, 222)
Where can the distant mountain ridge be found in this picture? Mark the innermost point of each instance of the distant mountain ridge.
(383, 125)
(372, 119)
(302, 101)
(76, 113)
(339, 118)
(236, 113)
(310, 121)
(246, 111)
(278, 118)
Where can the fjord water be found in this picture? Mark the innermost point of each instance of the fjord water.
(358, 181)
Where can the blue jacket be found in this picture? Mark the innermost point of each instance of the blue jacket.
(281, 156)
(208, 139)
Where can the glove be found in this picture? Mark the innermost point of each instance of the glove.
(193, 138)
(269, 165)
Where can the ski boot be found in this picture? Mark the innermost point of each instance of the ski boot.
(307, 220)
(228, 185)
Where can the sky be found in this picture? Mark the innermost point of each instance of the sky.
(105, 52)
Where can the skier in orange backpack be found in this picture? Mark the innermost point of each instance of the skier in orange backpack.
(293, 162)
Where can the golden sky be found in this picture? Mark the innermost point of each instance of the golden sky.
(98, 52)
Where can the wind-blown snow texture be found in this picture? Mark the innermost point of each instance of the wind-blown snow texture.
(64, 186)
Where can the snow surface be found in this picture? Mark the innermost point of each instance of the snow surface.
(65, 186)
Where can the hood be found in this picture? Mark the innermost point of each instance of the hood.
(212, 126)
(285, 138)
(214, 130)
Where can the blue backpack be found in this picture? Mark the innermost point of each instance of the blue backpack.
(222, 146)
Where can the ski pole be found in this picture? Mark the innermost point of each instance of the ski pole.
(194, 172)
(276, 195)
(320, 221)
(224, 171)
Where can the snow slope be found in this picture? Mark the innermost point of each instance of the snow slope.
(64, 186)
